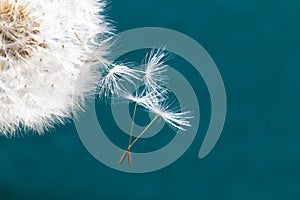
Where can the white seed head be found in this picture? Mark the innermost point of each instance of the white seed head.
(44, 46)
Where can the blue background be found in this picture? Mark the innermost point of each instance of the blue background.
(255, 44)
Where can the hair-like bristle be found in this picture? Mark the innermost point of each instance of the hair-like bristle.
(155, 69)
(111, 82)
(175, 118)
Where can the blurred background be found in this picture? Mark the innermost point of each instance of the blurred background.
(255, 45)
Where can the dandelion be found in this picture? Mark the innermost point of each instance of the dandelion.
(47, 48)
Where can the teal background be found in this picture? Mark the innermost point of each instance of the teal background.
(255, 45)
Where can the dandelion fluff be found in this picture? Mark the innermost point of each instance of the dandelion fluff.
(175, 118)
(155, 63)
(112, 83)
(44, 46)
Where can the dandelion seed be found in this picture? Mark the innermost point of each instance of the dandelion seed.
(45, 52)
(139, 97)
(176, 119)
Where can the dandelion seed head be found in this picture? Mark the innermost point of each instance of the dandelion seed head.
(18, 31)
(47, 60)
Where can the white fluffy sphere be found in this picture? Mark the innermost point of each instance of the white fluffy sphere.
(44, 46)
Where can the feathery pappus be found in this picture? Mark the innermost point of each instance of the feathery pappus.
(44, 46)
(152, 96)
